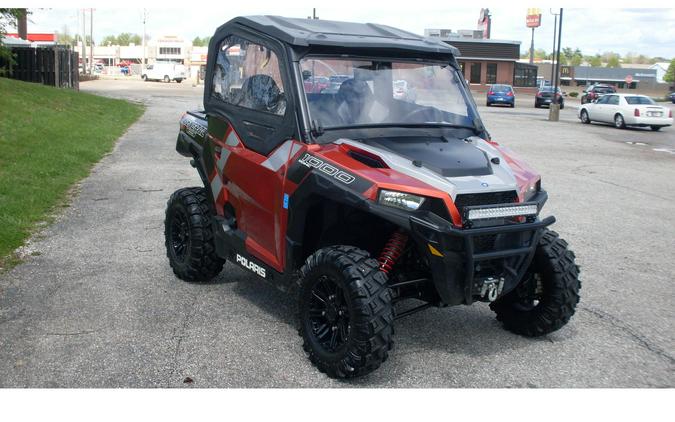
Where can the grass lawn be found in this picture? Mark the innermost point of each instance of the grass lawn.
(49, 139)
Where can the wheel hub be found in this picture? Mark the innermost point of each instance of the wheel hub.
(180, 235)
(328, 314)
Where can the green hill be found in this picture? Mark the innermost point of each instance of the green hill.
(49, 139)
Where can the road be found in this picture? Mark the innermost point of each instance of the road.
(95, 303)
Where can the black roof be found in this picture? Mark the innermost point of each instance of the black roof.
(326, 33)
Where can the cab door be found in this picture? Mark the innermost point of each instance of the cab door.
(251, 123)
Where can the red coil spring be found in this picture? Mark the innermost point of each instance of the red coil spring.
(392, 251)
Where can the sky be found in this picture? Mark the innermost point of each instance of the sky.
(644, 31)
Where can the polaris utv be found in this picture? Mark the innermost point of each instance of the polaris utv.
(355, 199)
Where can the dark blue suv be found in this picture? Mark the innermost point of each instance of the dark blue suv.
(501, 94)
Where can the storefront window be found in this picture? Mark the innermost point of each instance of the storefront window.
(525, 75)
(475, 73)
(491, 77)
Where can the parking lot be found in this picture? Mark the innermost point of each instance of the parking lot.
(95, 303)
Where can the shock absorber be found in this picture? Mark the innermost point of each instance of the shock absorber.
(392, 251)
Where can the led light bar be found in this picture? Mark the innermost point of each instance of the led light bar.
(513, 211)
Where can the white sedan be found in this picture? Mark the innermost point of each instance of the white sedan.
(626, 110)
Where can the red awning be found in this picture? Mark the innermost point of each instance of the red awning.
(36, 37)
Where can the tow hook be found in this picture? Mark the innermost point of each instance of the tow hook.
(492, 288)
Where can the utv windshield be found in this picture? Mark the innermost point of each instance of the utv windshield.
(384, 93)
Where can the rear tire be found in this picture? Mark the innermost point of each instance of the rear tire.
(584, 117)
(619, 122)
(655, 128)
(178, 80)
(345, 310)
(547, 297)
(487, 104)
(167, 79)
(189, 237)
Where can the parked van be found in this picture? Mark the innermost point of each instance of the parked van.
(166, 72)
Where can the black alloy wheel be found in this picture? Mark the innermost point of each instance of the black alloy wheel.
(345, 311)
(179, 232)
(547, 297)
(328, 314)
(189, 237)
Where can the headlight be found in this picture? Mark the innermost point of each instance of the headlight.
(532, 190)
(513, 211)
(401, 200)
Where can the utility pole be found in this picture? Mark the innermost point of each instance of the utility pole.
(145, 16)
(91, 40)
(84, 45)
(555, 28)
(314, 16)
(554, 108)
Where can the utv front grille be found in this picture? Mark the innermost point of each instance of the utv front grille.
(489, 198)
(462, 201)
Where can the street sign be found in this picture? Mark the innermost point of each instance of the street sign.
(629, 79)
(533, 18)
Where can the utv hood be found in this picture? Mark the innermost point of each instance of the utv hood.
(448, 157)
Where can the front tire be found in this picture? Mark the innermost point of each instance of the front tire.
(619, 122)
(189, 237)
(145, 78)
(547, 297)
(345, 310)
(167, 79)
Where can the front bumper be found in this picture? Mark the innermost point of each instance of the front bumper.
(462, 260)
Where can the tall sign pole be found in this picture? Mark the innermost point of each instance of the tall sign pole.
(84, 44)
(555, 29)
(91, 39)
(533, 20)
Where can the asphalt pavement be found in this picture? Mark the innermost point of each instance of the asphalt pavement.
(95, 303)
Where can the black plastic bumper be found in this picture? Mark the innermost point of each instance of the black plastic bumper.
(467, 261)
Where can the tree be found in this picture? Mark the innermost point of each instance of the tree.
(613, 61)
(109, 40)
(201, 42)
(64, 37)
(670, 73)
(595, 61)
(8, 18)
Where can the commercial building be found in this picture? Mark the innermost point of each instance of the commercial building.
(36, 39)
(621, 77)
(487, 61)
